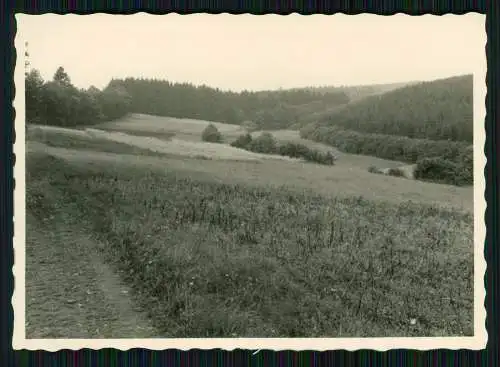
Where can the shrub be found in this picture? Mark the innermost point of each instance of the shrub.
(265, 143)
(293, 150)
(443, 171)
(243, 141)
(318, 156)
(211, 134)
(466, 160)
(397, 172)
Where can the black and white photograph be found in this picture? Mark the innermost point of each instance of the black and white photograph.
(249, 181)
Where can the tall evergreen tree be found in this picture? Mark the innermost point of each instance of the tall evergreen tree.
(62, 77)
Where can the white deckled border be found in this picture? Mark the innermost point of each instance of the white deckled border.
(478, 341)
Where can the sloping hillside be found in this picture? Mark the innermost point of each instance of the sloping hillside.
(358, 92)
(314, 112)
(437, 110)
(268, 109)
(429, 123)
(273, 109)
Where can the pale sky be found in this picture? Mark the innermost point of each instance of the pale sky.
(254, 52)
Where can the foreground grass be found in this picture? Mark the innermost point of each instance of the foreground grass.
(225, 260)
(70, 292)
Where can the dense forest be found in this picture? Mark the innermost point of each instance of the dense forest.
(58, 102)
(267, 109)
(437, 110)
(358, 92)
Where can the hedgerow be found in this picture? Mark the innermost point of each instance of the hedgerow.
(399, 148)
(267, 144)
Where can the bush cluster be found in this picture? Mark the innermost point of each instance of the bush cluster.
(398, 148)
(267, 144)
(443, 171)
(243, 141)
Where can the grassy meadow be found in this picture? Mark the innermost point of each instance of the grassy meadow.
(148, 125)
(265, 249)
(347, 178)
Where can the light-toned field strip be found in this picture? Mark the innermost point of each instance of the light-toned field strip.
(150, 123)
(173, 146)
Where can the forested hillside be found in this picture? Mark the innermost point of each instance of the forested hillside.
(267, 109)
(358, 92)
(437, 110)
(58, 102)
(430, 124)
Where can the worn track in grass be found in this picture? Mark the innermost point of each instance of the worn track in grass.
(71, 292)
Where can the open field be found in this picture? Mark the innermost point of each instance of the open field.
(81, 140)
(168, 127)
(119, 142)
(276, 261)
(188, 130)
(160, 124)
(339, 180)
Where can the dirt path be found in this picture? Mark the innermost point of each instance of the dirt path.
(71, 292)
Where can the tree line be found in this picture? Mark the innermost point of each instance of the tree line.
(267, 109)
(58, 102)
